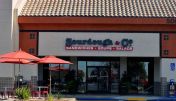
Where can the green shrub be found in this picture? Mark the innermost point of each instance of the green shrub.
(59, 95)
(23, 93)
(50, 97)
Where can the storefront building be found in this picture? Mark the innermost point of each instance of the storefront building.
(101, 58)
(109, 42)
(105, 40)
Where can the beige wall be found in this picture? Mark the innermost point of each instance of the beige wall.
(5, 35)
(29, 70)
(9, 32)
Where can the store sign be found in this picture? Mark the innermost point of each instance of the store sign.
(96, 44)
(101, 44)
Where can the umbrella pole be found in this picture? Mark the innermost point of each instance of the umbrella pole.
(19, 75)
(50, 83)
(14, 74)
(14, 71)
(59, 75)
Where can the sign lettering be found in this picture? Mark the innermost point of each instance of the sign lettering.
(105, 45)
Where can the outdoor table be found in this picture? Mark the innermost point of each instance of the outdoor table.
(39, 88)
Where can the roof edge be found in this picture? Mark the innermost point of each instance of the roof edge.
(95, 20)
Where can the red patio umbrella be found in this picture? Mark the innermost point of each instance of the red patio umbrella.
(17, 61)
(52, 60)
(18, 57)
(58, 69)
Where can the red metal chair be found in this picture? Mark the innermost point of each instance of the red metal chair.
(44, 91)
(35, 93)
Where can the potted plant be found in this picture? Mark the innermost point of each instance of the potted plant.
(23, 93)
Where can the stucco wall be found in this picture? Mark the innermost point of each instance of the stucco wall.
(5, 35)
(9, 33)
(29, 70)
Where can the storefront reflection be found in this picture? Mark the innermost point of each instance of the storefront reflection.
(115, 76)
(139, 77)
(82, 76)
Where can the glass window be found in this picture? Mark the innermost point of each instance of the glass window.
(115, 76)
(95, 63)
(140, 76)
(115, 66)
(82, 70)
(58, 74)
(81, 76)
(65, 66)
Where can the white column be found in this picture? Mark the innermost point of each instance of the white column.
(166, 70)
(123, 65)
(167, 73)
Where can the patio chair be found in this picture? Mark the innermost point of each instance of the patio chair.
(2, 94)
(10, 92)
(34, 91)
(44, 92)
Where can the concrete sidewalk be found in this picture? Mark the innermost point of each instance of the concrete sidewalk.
(112, 97)
(93, 97)
(121, 98)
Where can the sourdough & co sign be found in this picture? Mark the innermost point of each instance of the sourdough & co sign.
(103, 45)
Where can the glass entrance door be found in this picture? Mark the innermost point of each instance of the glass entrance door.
(99, 75)
(103, 81)
(97, 79)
